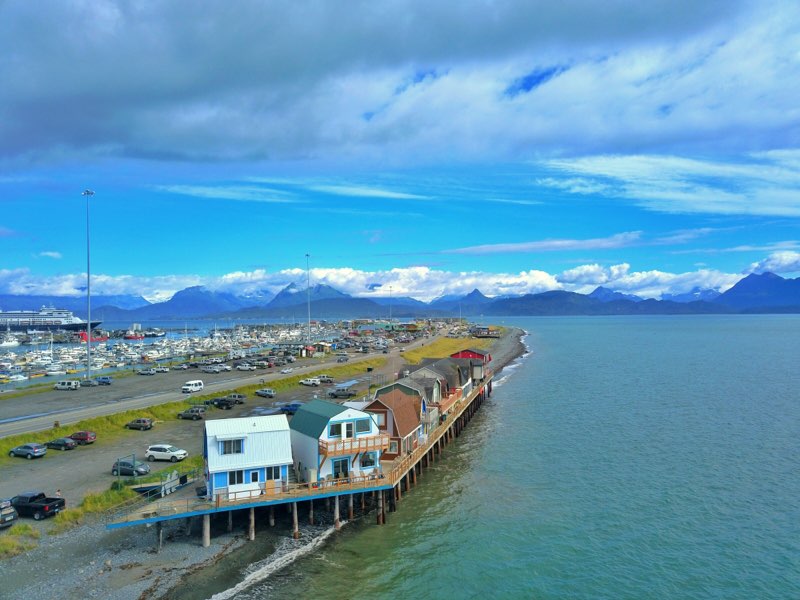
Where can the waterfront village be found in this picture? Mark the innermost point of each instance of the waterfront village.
(371, 448)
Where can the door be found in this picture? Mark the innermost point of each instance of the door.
(348, 430)
(341, 467)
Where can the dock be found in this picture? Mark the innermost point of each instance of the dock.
(386, 488)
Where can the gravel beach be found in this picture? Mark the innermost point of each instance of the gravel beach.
(93, 562)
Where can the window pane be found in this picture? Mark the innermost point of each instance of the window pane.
(336, 429)
(363, 426)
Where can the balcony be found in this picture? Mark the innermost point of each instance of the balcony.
(354, 446)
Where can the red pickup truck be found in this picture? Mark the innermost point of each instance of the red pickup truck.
(37, 505)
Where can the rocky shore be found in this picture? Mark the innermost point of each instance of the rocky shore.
(93, 562)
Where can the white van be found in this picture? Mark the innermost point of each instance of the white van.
(192, 386)
(67, 385)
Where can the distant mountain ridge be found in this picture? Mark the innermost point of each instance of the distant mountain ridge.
(765, 292)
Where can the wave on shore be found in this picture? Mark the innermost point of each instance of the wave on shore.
(286, 554)
(507, 370)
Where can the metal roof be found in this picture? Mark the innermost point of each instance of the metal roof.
(347, 384)
(312, 418)
(267, 442)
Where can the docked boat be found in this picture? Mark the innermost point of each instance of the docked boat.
(45, 319)
(133, 335)
(95, 338)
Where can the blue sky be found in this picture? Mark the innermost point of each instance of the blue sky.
(515, 147)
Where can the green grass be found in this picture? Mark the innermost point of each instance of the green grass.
(92, 504)
(445, 347)
(18, 539)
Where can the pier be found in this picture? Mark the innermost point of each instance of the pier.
(386, 488)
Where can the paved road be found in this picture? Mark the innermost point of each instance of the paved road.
(37, 412)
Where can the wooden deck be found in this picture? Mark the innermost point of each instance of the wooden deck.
(184, 504)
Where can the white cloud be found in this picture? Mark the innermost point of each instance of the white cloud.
(365, 192)
(777, 262)
(619, 240)
(50, 254)
(757, 184)
(235, 192)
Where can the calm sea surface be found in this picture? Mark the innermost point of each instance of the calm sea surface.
(629, 457)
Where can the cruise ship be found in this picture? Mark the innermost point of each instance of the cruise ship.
(45, 319)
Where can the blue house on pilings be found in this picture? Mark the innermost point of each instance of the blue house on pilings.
(247, 457)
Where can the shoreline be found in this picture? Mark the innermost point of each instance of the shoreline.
(123, 564)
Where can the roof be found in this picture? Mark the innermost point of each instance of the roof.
(312, 418)
(268, 442)
(405, 409)
(347, 384)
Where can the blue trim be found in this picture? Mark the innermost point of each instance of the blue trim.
(340, 458)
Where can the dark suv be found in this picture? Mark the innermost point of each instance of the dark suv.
(130, 468)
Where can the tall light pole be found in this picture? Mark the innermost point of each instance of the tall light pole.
(308, 299)
(390, 304)
(88, 194)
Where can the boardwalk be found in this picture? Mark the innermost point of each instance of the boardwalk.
(184, 504)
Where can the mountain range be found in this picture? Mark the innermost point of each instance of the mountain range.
(755, 293)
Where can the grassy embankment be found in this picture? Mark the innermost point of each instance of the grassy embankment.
(20, 538)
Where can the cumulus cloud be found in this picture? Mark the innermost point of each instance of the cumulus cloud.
(50, 254)
(403, 81)
(777, 262)
(421, 282)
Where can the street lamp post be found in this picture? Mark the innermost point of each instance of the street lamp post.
(390, 304)
(88, 194)
(308, 299)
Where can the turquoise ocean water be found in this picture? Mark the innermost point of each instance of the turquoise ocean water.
(624, 457)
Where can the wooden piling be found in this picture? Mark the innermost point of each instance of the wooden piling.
(350, 514)
(311, 512)
(188, 526)
(159, 535)
(363, 502)
(295, 526)
(336, 524)
(251, 529)
(206, 530)
(272, 516)
(381, 520)
(230, 521)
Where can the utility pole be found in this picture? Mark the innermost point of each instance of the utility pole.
(88, 194)
(308, 299)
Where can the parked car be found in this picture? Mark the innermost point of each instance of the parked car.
(222, 403)
(162, 369)
(290, 409)
(311, 381)
(287, 370)
(141, 424)
(62, 444)
(88, 383)
(104, 380)
(182, 367)
(8, 514)
(129, 468)
(29, 451)
(266, 393)
(342, 359)
(210, 369)
(224, 367)
(37, 505)
(325, 378)
(146, 372)
(237, 398)
(84, 437)
(246, 367)
(194, 413)
(69, 384)
(165, 452)
(341, 393)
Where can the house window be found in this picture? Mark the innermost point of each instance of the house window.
(363, 426)
(273, 473)
(368, 460)
(380, 419)
(393, 447)
(235, 477)
(253, 476)
(232, 446)
(335, 430)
